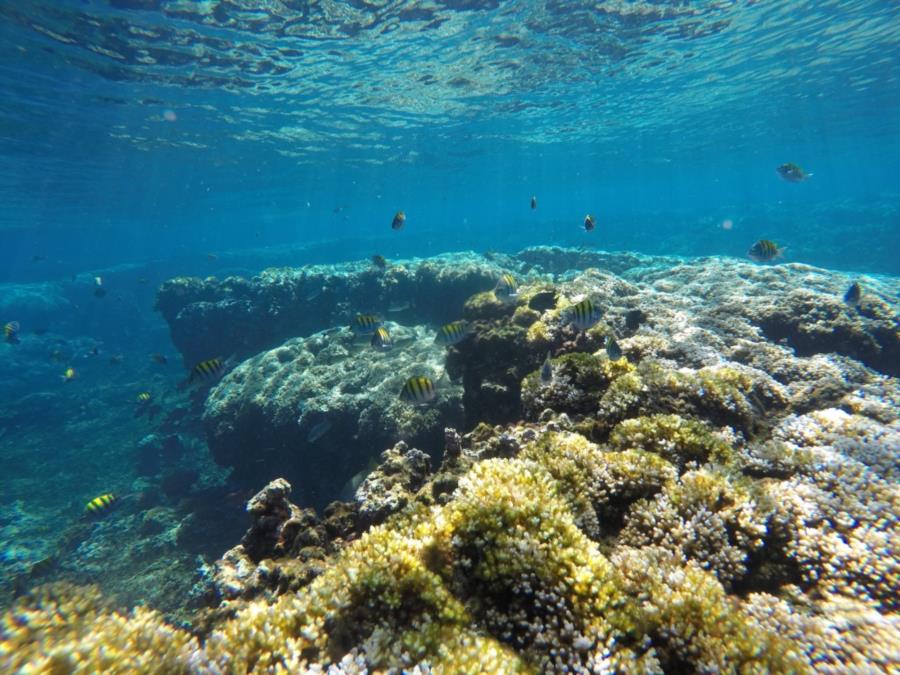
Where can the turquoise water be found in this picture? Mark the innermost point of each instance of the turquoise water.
(142, 140)
(136, 130)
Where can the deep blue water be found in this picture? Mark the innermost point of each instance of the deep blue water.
(144, 139)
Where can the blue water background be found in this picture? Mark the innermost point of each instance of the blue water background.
(294, 123)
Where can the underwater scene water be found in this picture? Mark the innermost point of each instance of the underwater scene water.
(451, 336)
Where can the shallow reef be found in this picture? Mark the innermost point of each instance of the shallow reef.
(722, 498)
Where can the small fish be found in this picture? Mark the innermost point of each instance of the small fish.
(209, 369)
(381, 339)
(101, 505)
(11, 332)
(792, 173)
(418, 389)
(159, 359)
(365, 324)
(589, 223)
(69, 374)
(533, 202)
(212, 256)
(99, 291)
(399, 221)
(143, 281)
(144, 397)
(507, 288)
(57, 355)
(765, 250)
(400, 306)
(584, 314)
(853, 294)
(452, 333)
(318, 431)
(38, 258)
(547, 370)
(379, 261)
(613, 350)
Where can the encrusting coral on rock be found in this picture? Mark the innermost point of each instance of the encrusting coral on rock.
(707, 500)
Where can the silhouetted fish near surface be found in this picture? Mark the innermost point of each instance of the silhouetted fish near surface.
(583, 314)
(381, 339)
(765, 250)
(452, 333)
(418, 389)
(792, 173)
(853, 294)
(11, 332)
(399, 221)
(613, 350)
(590, 223)
(533, 202)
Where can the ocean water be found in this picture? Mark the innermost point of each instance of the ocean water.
(144, 140)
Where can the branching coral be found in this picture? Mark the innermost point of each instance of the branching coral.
(62, 628)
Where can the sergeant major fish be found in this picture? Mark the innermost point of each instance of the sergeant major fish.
(613, 350)
(590, 223)
(507, 288)
(101, 505)
(547, 370)
(365, 324)
(583, 314)
(418, 389)
(765, 251)
(399, 221)
(381, 339)
(452, 333)
(11, 332)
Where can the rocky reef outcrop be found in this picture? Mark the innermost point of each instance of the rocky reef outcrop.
(721, 497)
(239, 316)
(316, 410)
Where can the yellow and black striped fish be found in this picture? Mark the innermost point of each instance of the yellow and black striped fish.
(452, 333)
(144, 397)
(418, 389)
(365, 324)
(207, 369)
(584, 314)
(765, 250)
(506, 287)
(381, 338)
(100, 505)
(11, 332)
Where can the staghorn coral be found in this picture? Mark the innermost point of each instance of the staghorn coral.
(703, 517)
(679, 440)
(63, 628)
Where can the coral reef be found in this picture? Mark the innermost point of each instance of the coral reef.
(723, 498)
(314, 409)
(243, 316)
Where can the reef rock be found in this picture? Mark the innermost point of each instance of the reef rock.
(317, 409)
(240, 316)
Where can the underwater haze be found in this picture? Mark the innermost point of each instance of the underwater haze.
(449, 336)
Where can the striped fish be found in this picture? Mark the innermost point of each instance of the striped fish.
(207, 369)
(11, 332)
(381, 338)
(584, 314)
(365, 324)
(144, 397)
(613, 350)
(418, 389)
(399, 221)
(589, 223)
(100, 505)
(765, 250)
(506, 288)
(452, 333)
